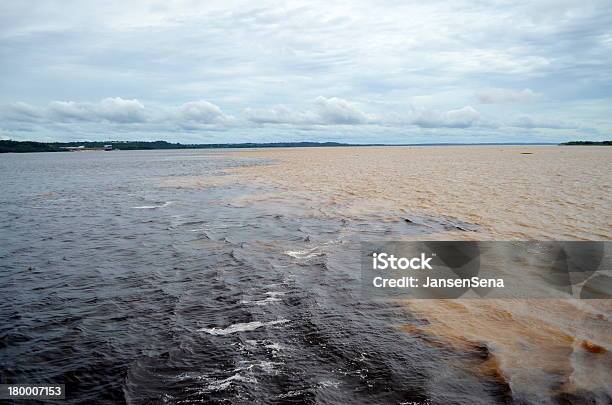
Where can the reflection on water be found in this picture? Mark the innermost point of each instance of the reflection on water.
(165, 277)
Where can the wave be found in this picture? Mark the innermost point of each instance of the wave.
(221, 385)
(152, 207)
(242, 327)
(265, 301)
(303, 254)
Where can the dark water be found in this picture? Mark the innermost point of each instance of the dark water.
(127, 291)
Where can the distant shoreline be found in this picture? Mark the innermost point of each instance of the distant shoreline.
(587, 143)
(8, 146)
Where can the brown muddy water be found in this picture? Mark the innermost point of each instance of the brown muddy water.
(233, 277)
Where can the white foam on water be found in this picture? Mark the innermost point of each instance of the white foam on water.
(221, 385)
(290, 394)
(191, 376)
(242, 327)
(303, 254)
(266, 366)
(261, 302)
(275, 346)
(152, 207)
(329, 383)
(338, 241)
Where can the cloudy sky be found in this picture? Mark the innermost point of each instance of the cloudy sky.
(354, 71)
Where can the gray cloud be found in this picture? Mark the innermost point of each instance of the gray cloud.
(201, 112)
(326, 111)
(115, 109)
(501, 96)
(117, 114)
(335, 110)
(21, 112)
(122, 117)
(281, 115)
(4, 135)
(531, 122)
(464, 117)
(270, 64)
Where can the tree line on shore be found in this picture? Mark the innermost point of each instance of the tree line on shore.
(30, 146)
(7, 146)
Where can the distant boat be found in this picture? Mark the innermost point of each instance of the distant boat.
(108, 147)
(73, 148)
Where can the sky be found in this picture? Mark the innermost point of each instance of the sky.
(266, 71)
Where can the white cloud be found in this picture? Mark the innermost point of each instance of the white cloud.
(115, 109)
(326, 111)
(501, 96)
(201, 116)
(281, 115)
(335, 110)
(69, 110)
(464, 117)
(201, 111)
(528, 122)
(120, 110)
